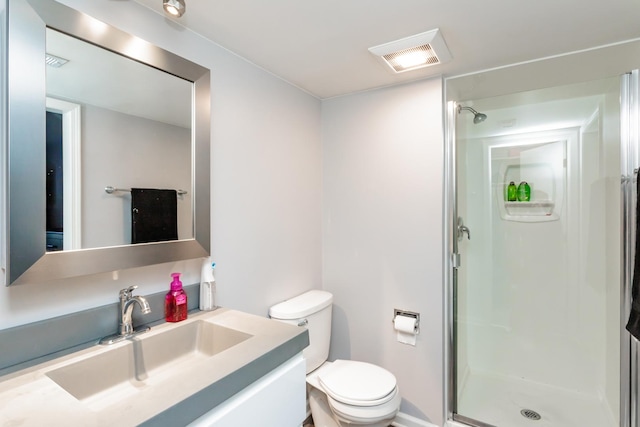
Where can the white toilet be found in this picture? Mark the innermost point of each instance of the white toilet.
(345, 392)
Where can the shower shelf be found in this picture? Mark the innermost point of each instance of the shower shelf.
(534, 208)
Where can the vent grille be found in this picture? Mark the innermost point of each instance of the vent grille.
(413, 52)
(54, 61)
(410, 59)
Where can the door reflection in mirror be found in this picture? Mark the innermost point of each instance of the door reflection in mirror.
(54, 174)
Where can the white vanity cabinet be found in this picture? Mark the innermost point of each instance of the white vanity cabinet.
(277, 399)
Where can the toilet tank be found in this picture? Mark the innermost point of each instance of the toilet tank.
(311, 310)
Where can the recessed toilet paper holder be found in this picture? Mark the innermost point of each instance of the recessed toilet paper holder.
(406, 313)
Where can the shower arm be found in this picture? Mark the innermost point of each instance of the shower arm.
(477, 117)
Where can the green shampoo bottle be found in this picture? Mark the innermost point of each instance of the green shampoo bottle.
(524, 192)
(512, 192)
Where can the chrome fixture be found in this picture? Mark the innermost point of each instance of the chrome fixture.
(175, 8)
(463, 229)
(478, 117)
(397, 312)
(110, 190)
(127, 302)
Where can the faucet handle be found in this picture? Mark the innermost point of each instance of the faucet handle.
(126, 293)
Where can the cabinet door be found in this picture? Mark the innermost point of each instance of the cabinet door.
(277, 399)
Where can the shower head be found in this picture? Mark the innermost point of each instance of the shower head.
(477, 117)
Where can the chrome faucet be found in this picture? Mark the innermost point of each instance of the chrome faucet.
(127, 303)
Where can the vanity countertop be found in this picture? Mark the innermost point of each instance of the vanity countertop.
(31, 397)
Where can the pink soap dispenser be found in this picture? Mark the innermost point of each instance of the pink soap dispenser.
(175, 303)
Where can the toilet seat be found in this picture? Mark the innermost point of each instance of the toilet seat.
(358, 383)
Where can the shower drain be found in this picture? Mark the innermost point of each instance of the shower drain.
(530, 414)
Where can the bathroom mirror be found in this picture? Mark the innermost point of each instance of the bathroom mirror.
(133, 129)
(31, 23)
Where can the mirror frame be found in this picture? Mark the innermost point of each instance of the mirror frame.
(27, 260)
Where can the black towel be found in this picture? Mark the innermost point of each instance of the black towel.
(154, 215)
(633, 325)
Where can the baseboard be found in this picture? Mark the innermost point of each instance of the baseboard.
(404, 420)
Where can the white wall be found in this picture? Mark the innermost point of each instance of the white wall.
(382, 233)
(266, 180)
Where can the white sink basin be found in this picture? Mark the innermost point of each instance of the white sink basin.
(200, 362)
(128, 368)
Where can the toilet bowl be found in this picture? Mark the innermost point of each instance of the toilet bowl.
(344, 392)
(348, 393)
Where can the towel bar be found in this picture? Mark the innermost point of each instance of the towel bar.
(110, 190)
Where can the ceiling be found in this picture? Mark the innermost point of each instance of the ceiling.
(322, 46)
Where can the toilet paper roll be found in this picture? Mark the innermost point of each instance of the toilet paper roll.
(406, 329)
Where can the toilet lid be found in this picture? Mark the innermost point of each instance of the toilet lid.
(358, 383)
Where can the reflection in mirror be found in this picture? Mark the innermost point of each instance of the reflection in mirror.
(63, 139)
(135, 132)
(139, 119)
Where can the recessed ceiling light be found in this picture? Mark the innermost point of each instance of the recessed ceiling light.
(414, 52)
(174, 7)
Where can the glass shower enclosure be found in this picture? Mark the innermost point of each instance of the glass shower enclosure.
(539, 284)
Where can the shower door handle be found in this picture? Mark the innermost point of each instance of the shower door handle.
(463, 229)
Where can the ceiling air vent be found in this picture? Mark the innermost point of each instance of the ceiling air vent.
(414, 52)
(54, 61)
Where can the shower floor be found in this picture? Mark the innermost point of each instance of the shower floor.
(499, 400)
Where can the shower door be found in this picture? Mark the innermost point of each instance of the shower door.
(538, 282)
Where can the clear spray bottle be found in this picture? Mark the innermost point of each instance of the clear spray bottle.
(207, 286)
